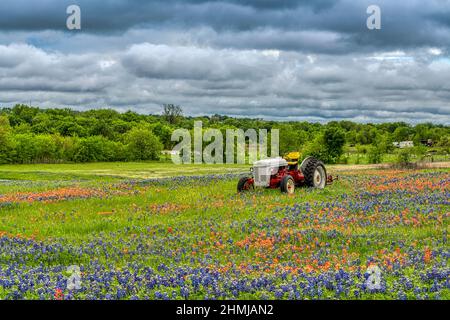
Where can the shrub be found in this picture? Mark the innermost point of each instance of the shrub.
(375, 154)
(404, 157)
(95, 149)
(45, 149)
(142, 144)
(24, 148)
(6, 143)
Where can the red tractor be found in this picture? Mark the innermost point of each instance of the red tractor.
(285, 173)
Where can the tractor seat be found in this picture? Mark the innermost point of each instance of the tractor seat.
(292, 158)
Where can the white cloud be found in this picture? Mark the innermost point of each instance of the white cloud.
(435, 51)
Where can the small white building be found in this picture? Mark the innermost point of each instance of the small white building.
(170, 152)
(403, 144)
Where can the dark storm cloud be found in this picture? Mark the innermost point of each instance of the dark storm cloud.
(321, 26)
(271, 4)
(123, 14)
(405, 23)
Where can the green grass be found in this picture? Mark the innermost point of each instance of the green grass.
(210, 211)
(110, 170)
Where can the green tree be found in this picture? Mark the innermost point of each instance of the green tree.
(291, 139)
(6, 143)
(172, 113)
(327, 146)
(103, 128)
(404, 157)
(68, 126)
(25, 149)
(375, 154)
(142, 144)
(164, 133)
(402, 134)
(316, 148)
(334, 140)
(419, 151)
(42, 123)
(22, 114)
(45, 149)
(120, 127)
(96, 148)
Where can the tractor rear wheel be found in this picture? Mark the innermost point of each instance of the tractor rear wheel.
(245, 184)
(315, 173)
(287, 185)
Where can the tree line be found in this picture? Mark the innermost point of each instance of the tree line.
(34, 135)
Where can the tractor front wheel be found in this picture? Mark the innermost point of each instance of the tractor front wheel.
(245, 184)
(287, 185)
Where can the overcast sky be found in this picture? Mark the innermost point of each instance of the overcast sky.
(276, 59)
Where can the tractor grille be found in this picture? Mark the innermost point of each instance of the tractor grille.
(261, 176)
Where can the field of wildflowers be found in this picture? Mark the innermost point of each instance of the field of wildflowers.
(194, 237)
